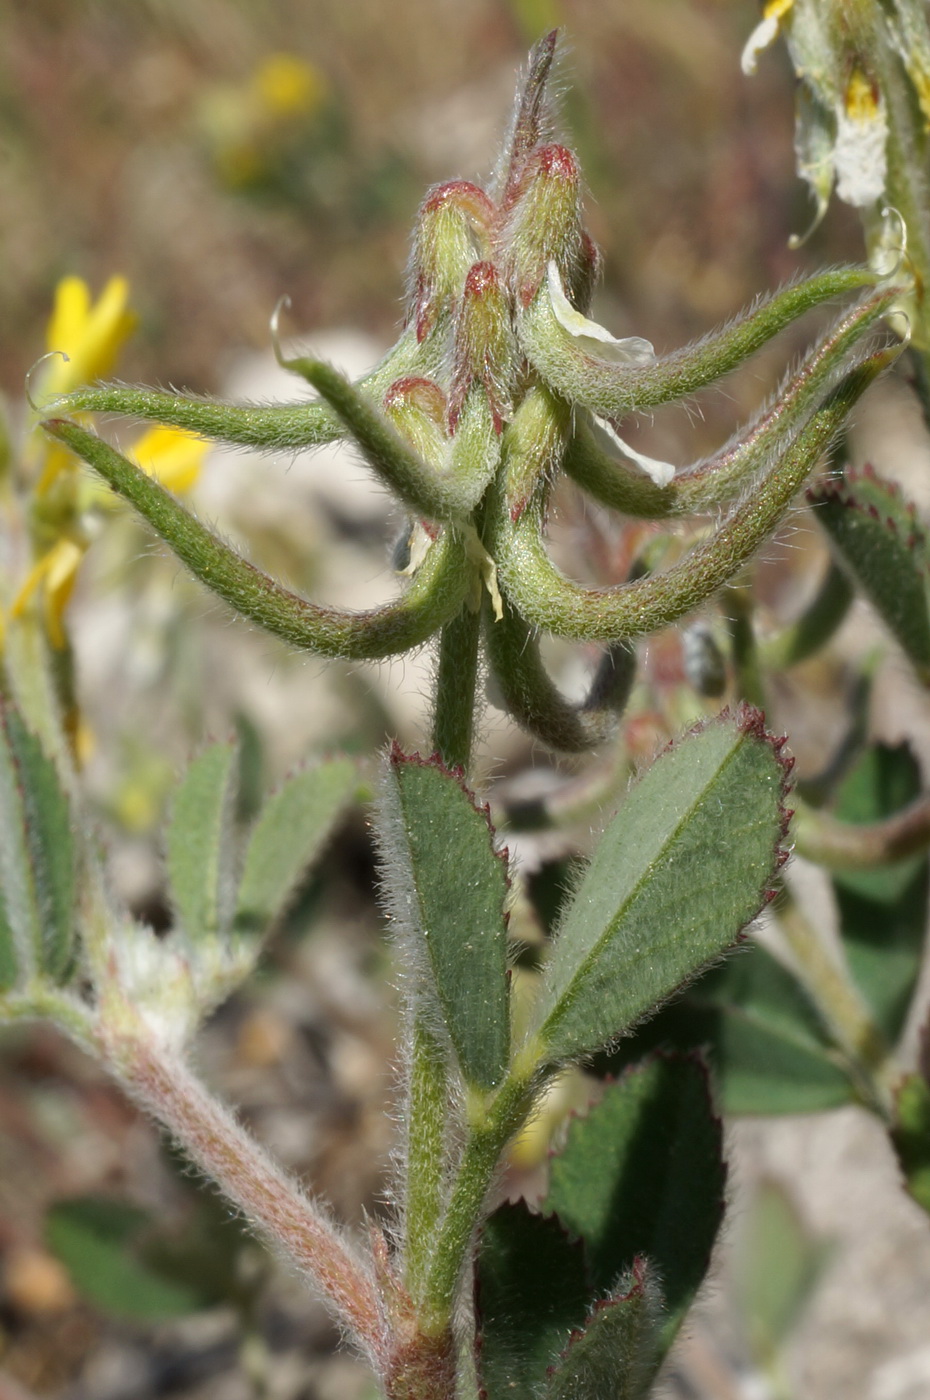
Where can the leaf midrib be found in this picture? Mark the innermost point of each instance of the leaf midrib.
(567, 997)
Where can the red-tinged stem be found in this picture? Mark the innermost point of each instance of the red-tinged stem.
(273, 1203)
(423, 1369)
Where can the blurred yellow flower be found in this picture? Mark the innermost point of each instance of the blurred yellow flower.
(287, 86)
(90, 334)
(55, 572)
(172, 456)
(83, 339)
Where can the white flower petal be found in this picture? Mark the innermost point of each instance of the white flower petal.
(859, 153)
(660, 472)
(765, 33)
(594, 338)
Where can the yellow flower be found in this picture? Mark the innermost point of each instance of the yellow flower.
(286, 86)
(55, 573)
(172, 456)
(90, 334)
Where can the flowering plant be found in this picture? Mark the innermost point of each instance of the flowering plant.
(499, 385)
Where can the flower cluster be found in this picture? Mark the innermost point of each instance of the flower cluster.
(863, 114)
(498, 383)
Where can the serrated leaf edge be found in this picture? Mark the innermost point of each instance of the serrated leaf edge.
(750, 721)
(397, 756)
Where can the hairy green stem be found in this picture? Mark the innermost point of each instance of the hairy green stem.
(840, 845)
(273, 1202)
(907, 187)
(831, 989)
(456, 682)
(486, 1142)
(425, 1164)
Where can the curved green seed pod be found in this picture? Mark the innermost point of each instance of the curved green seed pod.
(547, 599)
(816, 625)
(286, 427)
(566, 362)
(716, 481)
(534, 700)
(436, 593)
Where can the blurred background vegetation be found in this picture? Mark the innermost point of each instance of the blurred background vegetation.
(221, 152)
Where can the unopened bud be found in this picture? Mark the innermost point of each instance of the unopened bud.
(485, 347)
(534, 439)
(453, 228)
(545, 225)
(417, 409)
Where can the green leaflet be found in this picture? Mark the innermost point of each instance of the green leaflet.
(532, 1290)
(641, 1175)
(769, 1048)
(617, 1353)
(764, 1040)
(285, 838)
(883, 911)
(681, 869)
(884, 550)
(288, 835)
(200, 845)
(37, 859)
(776, 1266)
(446, 887)
(95, 1239)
